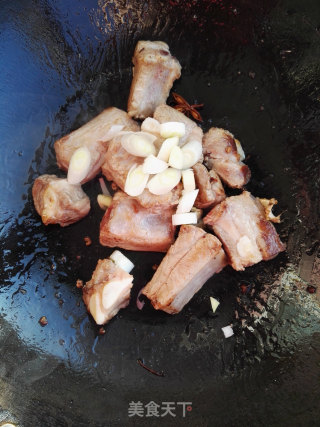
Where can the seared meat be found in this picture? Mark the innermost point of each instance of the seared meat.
(154, 72)
(220, 153)
(210, 188)
(164, 114)
(247, 236)
(128, 225)
(58, 202)
(94, 135)
(116, 166)
(107, 292)
(190, 262)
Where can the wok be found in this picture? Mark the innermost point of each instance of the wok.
(255, 66)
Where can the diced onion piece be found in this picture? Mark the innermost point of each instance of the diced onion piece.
(240, 150)
(189, 183)
(136, 181)
(166, 147)
(176, 158)
(79, 165)
(122, 261)
(104, 188)
(169, 129)
(150, 125)
(104, 201)
(184, 218)
(214, 304)
(192, 152)
(227, 331)
(138, 143)
(153, 165)
(164, 182)
(187, 201)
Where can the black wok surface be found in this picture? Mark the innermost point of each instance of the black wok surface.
(255, 66)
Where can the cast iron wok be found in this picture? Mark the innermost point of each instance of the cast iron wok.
(255, 67)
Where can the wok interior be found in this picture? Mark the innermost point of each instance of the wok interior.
(254, 69)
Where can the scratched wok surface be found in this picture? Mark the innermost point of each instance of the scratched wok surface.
(255, 67)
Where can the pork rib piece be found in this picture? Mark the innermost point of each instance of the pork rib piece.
(190, 262)
(128, 225)
(154, 72)
(117, 163)
(164, 113)
(107, 292)
(95, 136)
(211, 191)
(220, 153)
(58, 202)
(241, 225)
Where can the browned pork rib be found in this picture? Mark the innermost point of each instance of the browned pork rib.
(117, 163)
(190, 262)
(164, 114)
(107, 292)
(211, 191)
(94, 135)
(241, 225)
(128, 225)
(58, 202)
(154, 72)
(220, 153)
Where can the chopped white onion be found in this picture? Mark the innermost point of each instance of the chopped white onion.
(166, 147)
(136, 181)
(104, 201)
(150, 125)
(122, 261)
(153, 165)
(240, 150)
(176, 158)
(187, 201)
(192, 152)
(104, 188)
(79, 165)
(164, 182)
(189, 183)
(214, 304)
(138, 143)
(184, 218)
(227, 331)
(170, 129)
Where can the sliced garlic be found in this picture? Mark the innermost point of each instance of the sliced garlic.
(184, 218)
(150, 125)
(164, 182)
(136, 181)
(104, 201)
(176, 158)
(122, 261)
(166, 147)
(189, 183)
(153, 165)
(187, 201)
(227, 331)
(192, 152)
(79, 165)
(138, 143)
(240, 149)
(170, 129)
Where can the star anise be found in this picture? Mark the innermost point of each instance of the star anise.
(184, 107)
